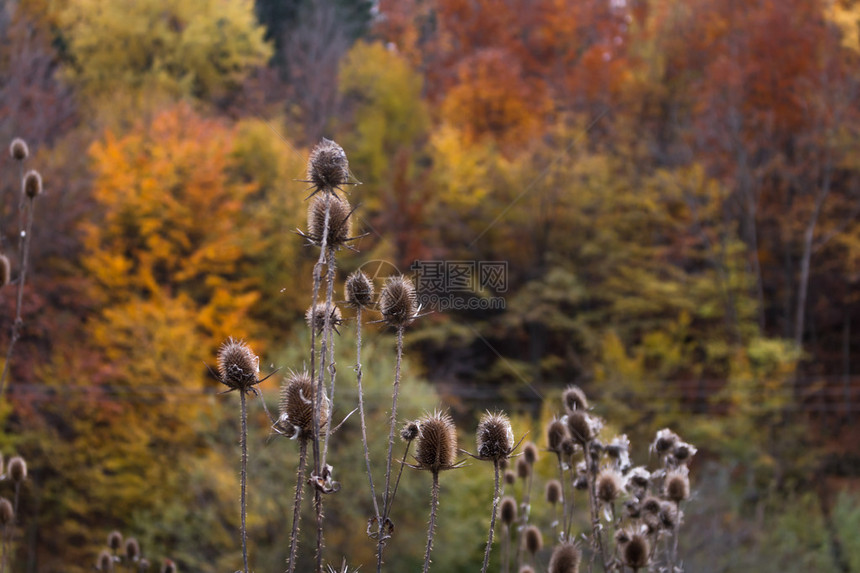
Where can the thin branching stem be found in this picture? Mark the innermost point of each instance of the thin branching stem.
(431, 529)
(358, 375)
(399, 475)
(496, 495)
(596, 532)
(297, 501)
(244, 476)
(328, 341)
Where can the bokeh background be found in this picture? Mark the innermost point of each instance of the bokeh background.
(674, 184)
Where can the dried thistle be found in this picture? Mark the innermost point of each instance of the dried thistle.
(510, 477)
(530, 453)
(565, 559)
(32, 184)
(533, 539)
(7, 512)
(636, 551)
(556, 432)
(316, 317)
(664, 441)
(328, 167)
(358, 290)
(495, 437)
(610, 485)
(524, 470)
(508, 510)
(409, 431)
(104, 562)
(398, 302)
(574, 399)
(676, 486)
(296, 406)
(437, 443)
(18, 149)
(339, 222)
(17, 469)
(114, 540)
(238, 366)
(132, 549)
(553, 491)
(582, 426)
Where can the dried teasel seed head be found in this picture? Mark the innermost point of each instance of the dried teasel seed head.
(328, 167)
(132, 548)
(556, 432)
(398, 302)
(581, 426)
(676, 487)
(632, 509)
(5, 271)
(504, 463)
(436, 446)
(105, 561)
(316, 316)
(339, 222)
(573, 399)
(609, 486)
(524, 469)
(114, 540)
(296, 406)
(683, 452)
(7, 512)
(168, 566)
(622, 536)
(237, 365)
(533, 539)
(568, 447)
(565, 558)
(510, 477)
(638, 477)
(18, 149)
(494, 437)
(530, 453)
(409, 431)
(17, 469)
(635, 552)
(32, 184)
(669, 515)
(664, 441)
(358, 290)
(508, 510)
(553, 491)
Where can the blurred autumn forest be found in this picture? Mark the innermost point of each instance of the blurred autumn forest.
(674, 184)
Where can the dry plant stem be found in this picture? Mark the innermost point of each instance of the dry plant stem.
(525, 517)
(361, 411)
(24, 239)
(596, 533)
(431, 529)
(496, 495)
(328, 343)
(244, 476)
(564, 509)
(297, 502)
(386, 503)
(673, 556)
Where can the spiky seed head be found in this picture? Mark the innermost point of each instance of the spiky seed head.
(398, 302)
(622, 536)
(296, 406)
(565, 558)
(669, 515)
(17, 469)
(610, 485)
(7, 512)
(328, 167)
(436, 447)
(574, 398)
(580, 426)
(683, 452)
(638, 477)
(409, 431)
(530, 453)
(510, 477)
(114, 540)
(568, 447)
(556, 432)
(553, 491)
(676, 487)
(358, 290)
(18, 149)
(664, 441)
(651, 505)
(494, 437)
(508, 510)
(316, 316)
(237, 365)
(524, 469)
(5, 271)
(168, 567)
(132, 548)
(636, 551)
(32, 184)
(533, 539)
(105, 561)
(632, 508)
(339, 221)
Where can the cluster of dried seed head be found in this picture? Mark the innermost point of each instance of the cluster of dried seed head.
(238, 366)
(317, 315)
(328, 167)
(359, 290)
(494, 437)
(436, 448)
(296, 406)
(398, 301)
